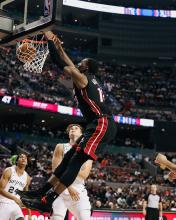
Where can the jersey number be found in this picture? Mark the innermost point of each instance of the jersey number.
(11, 190)
(101, 94)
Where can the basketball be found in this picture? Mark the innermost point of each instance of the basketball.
(26, 52)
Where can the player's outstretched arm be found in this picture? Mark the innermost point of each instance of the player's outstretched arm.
(165, 163)
(79, 79)
(56, 49)
(172, 176)
(171, 166)
(61, 59)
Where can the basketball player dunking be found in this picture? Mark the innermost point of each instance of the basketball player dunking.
(100, 128)
(74, 198)
(13, 178)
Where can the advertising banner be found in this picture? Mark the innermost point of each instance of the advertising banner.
(38, 105)
(103, 215)
(35, 215)
(30, 103)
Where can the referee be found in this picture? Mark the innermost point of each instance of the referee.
(152, 205)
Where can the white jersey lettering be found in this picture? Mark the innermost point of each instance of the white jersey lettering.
(15, 182)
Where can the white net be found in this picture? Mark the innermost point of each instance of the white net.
(33, 54)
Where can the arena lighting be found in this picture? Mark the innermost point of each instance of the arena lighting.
(119, 10)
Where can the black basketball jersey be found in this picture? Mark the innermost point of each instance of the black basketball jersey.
(91, 99)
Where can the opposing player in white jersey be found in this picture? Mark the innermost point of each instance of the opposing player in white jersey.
(13, 178)
(75, 198)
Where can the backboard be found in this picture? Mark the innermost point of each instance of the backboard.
(21, 18)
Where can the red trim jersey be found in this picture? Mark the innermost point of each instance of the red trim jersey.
(91, 99)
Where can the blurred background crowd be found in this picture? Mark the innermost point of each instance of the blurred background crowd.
(121, 184)
(139, 88)
(148, 91)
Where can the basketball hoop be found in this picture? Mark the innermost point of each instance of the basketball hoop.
(32, 53)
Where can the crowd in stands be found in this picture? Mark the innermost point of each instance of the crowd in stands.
(142, 91)
(122, 169)
(112, 187)
(147, 91)
(131, 183)
(39, 167)
(127, 136)
(30, 128)
(121, 184)
(45, 87)
(127, 196)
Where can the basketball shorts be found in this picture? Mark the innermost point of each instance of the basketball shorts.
(80, 209)
(10, 211)
(100, 131)
(152, 214)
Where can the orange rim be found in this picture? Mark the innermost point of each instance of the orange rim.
(32, 41)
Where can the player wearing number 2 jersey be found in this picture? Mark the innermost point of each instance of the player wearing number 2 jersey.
(100, 125)
(13, 178)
